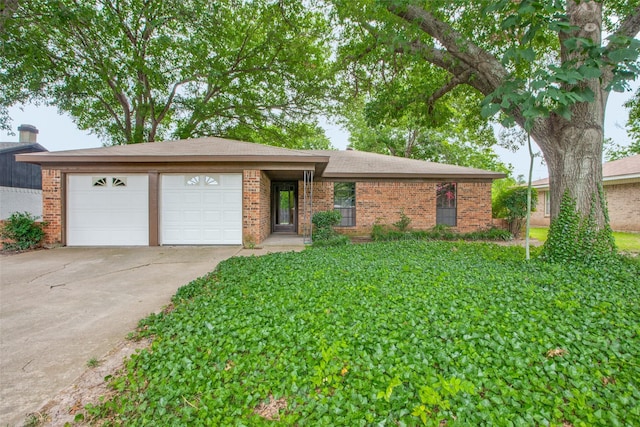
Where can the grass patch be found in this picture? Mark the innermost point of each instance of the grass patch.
(400, 333)
(626, 242)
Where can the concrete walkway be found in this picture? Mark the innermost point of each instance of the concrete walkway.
(61, 307)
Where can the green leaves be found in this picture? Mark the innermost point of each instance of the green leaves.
(400, 333)
(21, 232)
(143, 71)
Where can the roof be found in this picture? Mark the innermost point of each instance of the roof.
(362, 164)
(328, 163)
(7, 147)
(197, 149)
(616, 170)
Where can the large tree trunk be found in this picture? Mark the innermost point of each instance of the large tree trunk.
(573, 148)
(574, 161)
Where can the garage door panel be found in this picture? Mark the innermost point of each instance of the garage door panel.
(201, 209)
(232, 198)
(231, 181)
(232, 234)
(107, 210)
(212, 198)
(212, 216)
(192, 217)
(213, 234)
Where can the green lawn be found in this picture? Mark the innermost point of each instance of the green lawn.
(627, 242)
(396, 334)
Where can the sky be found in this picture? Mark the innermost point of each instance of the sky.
(58, 132)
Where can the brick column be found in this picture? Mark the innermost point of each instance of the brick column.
(52, 205)
(252, 230)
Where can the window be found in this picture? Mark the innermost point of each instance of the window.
(211, 180)
(446, 203)
(119, 181)
(547, 204)
(99, 181)
(344, 201)
(199, 180)
(190, 180)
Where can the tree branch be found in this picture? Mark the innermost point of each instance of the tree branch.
(455, 81)
(489, 72)
(630, 26)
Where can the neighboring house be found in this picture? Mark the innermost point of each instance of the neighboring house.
(219, 191)
(621, 183)
(20, 183)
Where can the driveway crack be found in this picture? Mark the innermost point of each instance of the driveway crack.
(48, 272)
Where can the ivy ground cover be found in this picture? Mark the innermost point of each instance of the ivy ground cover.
(400, 333)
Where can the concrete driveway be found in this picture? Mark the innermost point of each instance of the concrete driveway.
(61, 307)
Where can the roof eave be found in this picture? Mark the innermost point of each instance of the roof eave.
(50, 158)
(487, 176)
(607, 179)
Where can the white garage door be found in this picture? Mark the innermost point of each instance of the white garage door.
(201, 209)
(107, 210)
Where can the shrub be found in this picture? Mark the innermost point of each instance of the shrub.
(511, 205)
(323, 232)
(21, 232)
(335, 240)
(403, 223)
(380, 233)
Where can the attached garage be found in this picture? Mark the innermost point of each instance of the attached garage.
(107, 210)
(201, 209)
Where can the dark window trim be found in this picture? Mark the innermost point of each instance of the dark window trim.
(348, 220)
(447, 215)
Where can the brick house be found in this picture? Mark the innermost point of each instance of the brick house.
(219, 191)
(621, 183)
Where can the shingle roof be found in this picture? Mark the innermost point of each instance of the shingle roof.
(626, 168)
(339, 164)
(209, 146)
(362, 164)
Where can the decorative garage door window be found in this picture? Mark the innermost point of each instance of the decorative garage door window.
(446, 203)
(119, 181)
(99, 182)
(103, 181)
(344, 201)
(202, 180)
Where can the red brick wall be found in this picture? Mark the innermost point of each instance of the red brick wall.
(382, 201)
(538, 217)
(265, 206)
(474, 206)
(256, 206)
(52, 205)
(322, 200)
(623, 201)
(624, 206)
(251, 206)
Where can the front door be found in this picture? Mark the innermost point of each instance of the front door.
(283, 210)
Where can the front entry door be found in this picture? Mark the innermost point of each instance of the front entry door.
(284, 203)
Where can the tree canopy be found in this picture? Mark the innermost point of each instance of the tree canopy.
(137, 71)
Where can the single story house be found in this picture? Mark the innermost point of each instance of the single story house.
(20, 183)
(210, 191)
(621, 183)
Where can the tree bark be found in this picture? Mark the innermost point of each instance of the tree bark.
(573, 148)
(574, 162)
